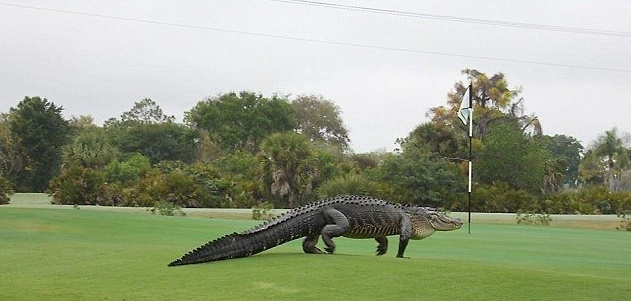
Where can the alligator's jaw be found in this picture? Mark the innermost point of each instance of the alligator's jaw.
(446, 223)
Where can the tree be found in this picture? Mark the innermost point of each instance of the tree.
(240, 170)
(288, 168)
(509, 156)
(159, 141)
(41, 131)
(128, 170)
(146, 130)
(81, 122)
(609, 156)
(320, 120)
(438, 139)
(10, 157)
(421, 177)
(241, 121)
(146, 111)
(591, 170)
(91, 148)
(492, 101)
(566, 154)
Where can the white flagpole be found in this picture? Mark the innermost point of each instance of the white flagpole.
(465, 119)
(470, 151)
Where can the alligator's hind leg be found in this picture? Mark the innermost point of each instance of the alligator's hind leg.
(309, 244)
(337, 224)
(382, 248)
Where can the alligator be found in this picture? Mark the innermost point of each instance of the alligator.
(348, 216)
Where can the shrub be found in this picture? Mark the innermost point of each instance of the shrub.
(533, 219)
(262, 211)
(127, 171)
(353, 184)
(175, 188)
(589, 200)
(625, 221)
(5, 191)
(77, 185)
(166, 208)
(499, 197)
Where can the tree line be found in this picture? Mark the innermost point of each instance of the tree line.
(245, 150)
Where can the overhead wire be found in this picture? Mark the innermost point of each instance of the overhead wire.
(534, 26)
(311, 40)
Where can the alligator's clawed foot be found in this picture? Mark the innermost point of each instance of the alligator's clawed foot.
(381, 250)
(314, 250)
(330, 250)
(404, 257)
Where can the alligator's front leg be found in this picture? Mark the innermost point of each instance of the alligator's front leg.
(382, 248)
(309, 244)
(337, 224)
(406, 233)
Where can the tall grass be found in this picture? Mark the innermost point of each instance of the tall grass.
(70, 254)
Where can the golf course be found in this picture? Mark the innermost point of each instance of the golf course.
(52, 252)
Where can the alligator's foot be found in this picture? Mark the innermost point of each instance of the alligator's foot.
(330, 250)
(309, 244)
(404, 257)
(381, 250)
(313, 250)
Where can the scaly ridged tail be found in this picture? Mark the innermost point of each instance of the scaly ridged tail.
(234, 245)
(250, 242)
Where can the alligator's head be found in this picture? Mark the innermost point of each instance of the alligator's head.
(426, 221)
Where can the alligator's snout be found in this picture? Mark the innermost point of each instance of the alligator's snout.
(446, 223)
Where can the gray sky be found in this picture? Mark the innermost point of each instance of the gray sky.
(101, 66)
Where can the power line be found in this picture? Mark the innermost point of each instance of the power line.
(565, 29)
(319, 41)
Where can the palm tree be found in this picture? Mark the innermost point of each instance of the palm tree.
(355, 184)
(611, 149)
(287, 166)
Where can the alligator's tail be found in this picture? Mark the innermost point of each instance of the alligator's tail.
(256, 240)
(234, 245)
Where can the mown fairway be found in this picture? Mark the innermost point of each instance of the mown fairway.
(54, 254)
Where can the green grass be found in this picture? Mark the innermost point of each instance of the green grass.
(52, 254)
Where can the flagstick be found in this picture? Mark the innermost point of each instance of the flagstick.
(470, 148)
(468, 93)
(470, 156)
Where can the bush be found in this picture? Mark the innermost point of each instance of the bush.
(175, 188)
(589, 200)
(127, 171)
(418, 177)
(135, 183)
(212, 190)
(262, 211)
(5, 191)
(349, 184)
(625, 221)
(167, 208)
(499, 197)
(533, 219)
(77, 185)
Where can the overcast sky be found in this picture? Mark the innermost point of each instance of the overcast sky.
(99, 57)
